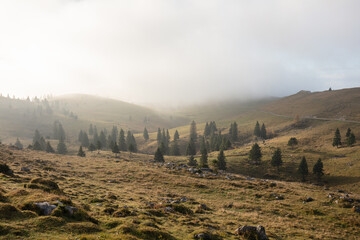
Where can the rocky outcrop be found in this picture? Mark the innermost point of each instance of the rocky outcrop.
(251, 232)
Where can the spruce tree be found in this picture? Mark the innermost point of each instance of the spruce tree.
(337, 138)
(207, 130)
(114, 134)
(318, 169)
(192, 161)
(146, 134)
(276, 160)
(176, 135)
(37, 146)
(263, 131)
(158, 157)
(49, 148)
(257, 131)
(61, 132)
(255, 154)
(81, 153)
(122, 142)
(42, 143)
(102, 139)
(193, 131)
(18, 144)
(95, 136)
(56, 130)
(191, 148)
(85, 140)
(80, 136)
(92, 147)
(348, 132)
(233, 132)
(303, 169)
(61, 147)
(204, 156)
(98, 145)
(292, 142)
(174, 149)
(221, 162)
(115, 148)
(159, 136)
(351, 139)
(167, 136)
(36, 137)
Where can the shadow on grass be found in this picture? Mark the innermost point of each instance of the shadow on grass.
(341, 180)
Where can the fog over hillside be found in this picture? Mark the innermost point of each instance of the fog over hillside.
(170, 52)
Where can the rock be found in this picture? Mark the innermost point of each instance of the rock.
(309, 199)
(183, 199)
(251, 232)
(356, 209)
(203, 236)
(45, 207)
(71, 210)
(25, 169)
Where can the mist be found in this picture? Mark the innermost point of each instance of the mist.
(176, 52)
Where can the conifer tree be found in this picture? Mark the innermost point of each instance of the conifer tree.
(95, 136)
(122, 142)
(159, 136)
(303, 169)
(42, 143)
(81, 153)
(102, 139)
(61, 147)
(146, 134)
(158, 157)
(92, 147)
(204, 156)
(115, 148)
(98, 145)
(257, 131)
(292, 142)
(255, 154)
(80, 136)
(37, 146)
(18, 144)
(61, 132)
(114, 134)
(193, 131)
(191, 148)
(174, 149)
(263, 131)
(207, 130)
(167, 136)
(176, 135)
(36, 137)
(276, 160)
(49, 148)
(85, 140)
(192, 161)
(318, 169)
(233, 132)
(351, 139)
(337, 138)
(221, 162)
(348, 132)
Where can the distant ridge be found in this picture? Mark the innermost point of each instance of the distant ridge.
(336, 104)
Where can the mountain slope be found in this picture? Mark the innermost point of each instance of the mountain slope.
(336, 104)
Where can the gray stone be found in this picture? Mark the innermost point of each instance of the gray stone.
(251, 232)
(45, 207)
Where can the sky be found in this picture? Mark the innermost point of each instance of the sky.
(178, 51)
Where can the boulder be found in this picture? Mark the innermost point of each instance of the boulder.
(203, 236)
(45, 207)
(251, 232)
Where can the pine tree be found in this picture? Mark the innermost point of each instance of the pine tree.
(221, 162)
(92, 147)
(233, 132)
(85, 140)
(146, 134)
(81, 134)
(167, 135)
(276, 160)
(81, 153)
(255, 154)
(36, 137)
(49, 148)
(159, 136)
(102, 139)
(263, 131)
(42, 143)
(61, 132)
(91, 130)
(348, 132)
(337, 138)
(174, 149)
(98, 145)
(192, 162)
(18, 144)
(207, 130)
(95, 136)
(37, 146)
(303, 169)
(114, 134)
(257, 131)
(176, 135)
(130, 141)
(204, 156)
(318, 169)
(61, 147)
(122, 142)
(115, 148)
(193, 131)
(351, 139)
(158, 157)
(191, 148)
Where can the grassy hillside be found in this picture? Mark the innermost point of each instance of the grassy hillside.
(337, 104)
(130, 197)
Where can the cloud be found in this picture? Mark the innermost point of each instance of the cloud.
(178, 51)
